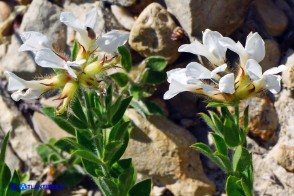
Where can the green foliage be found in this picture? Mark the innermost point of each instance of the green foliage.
(126, 58)
(229, 136)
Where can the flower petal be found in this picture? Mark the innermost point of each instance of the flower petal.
(275, 70)
(110, 41)
(15, 82)
(70, 71)
(29, 94)
(220, 68)
(253, 69)
(70, 20)
(255, 47)
(273, 83)
(177, 87)
(47, 58)
(211, 42)
(34, 41)
(91, 18)
(197, 71)
(209, 89)
(227, 84)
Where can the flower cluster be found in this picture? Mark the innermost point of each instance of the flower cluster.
(83, 70)
(215, 79)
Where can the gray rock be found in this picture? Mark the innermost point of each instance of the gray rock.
(161, 150)
(5, 11)
(124, 3)
(43, 16)
(151, 33)
(123, 16)
(22, 138)
(284, 156)
(195, 16)
(288, 75)
(273, 18)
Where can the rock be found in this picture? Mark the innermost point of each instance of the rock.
(263, 118)
(24, 2)
(123, 16)
(284, 156)
(288, 75)
(195, 16)
(22, 137)
(273, 18)
(272, 55)
(12, 160)
(124, 3)
(151, 33)
(43, 16)
(46, 128)
(23, 65)
(139, 6)
(5, 11)
(171, 162)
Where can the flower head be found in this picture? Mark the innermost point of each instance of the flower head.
(34, 41)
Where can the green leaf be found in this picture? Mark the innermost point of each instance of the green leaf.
(69, 177)
(225, 162)
(220, 144)
(75, 50)
(87, 155)
(234, 187)
(126, 180)
(108, 98)
(84, 139)
(121, 79)
(153, 77)
(246, 118)
(119, 131)
(126, 58)
(120, 166)
(218, 104)
(231, 133)
(77, 109)
(217, 122)
(241, 159)
(5, 175)
(209, 122)
(14, 181)
(43, 151)
(3, 148)
(153, 108)
(67, 144)
(59, 120)
(142, 188)
(205, 149)
(156, 63)
(77, 123)
(136, 91)
(117, 113)
(108, 187)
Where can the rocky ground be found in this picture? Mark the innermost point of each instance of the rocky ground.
(160, 146)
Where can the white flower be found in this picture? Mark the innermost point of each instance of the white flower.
(109, 42)
(25, 90)
(269, 78)
(34, 41)
(211, 48)
(226, 84)
(254, 48)
(47, 58)
(85, 30)
(179, 83)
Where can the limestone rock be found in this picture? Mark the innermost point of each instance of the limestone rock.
(11, 159)
(284, 156)
(272, 55)
(195, 16)
(46, 128)
(22, 138)
(124, 3)
(151, 33)
(5, 11)
(43, 16)
(288, 75)
(161, 150)
(123, 16)
(263, 118)
(273, 18)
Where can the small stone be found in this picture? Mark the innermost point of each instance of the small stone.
(123, 16)
(195, 16)
(173, 164)
(151, 33)
(5, 11)
(43, 16)
(273, 18)
(139, 6)
(46, 128)
(263, 118)
(125, 3)
(288, 75)
(284, 156)
(272, 55)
